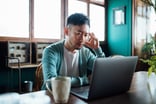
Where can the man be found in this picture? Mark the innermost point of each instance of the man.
(72, 56)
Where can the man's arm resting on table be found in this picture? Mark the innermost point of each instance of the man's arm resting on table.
(79, 81)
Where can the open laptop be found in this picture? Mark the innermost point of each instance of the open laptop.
(111, 76)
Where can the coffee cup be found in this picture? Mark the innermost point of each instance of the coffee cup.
(60, 88)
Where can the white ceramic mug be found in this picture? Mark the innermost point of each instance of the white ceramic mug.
(61, 86)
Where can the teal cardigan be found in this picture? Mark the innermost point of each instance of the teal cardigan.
(52, 58)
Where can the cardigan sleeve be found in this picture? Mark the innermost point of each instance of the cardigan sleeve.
(99, 52)
(79, 81)
(49, 65)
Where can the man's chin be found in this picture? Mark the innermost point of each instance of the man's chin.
(79, 47)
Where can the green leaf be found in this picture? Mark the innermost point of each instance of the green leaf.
(152, 63)
(153, 58)
(150, 71)
(145, 61)
(154, 70)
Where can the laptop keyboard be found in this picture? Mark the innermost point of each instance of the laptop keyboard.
(83, 91)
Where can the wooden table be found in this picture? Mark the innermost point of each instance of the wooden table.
(44, 97)
(138, 94)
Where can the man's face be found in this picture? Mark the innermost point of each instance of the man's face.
(77, 35)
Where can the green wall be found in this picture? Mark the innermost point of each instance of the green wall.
(9, 78)
(119, 36)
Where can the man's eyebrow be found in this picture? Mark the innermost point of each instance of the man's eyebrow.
(83, 31)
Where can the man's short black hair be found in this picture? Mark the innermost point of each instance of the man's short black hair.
(78, 19)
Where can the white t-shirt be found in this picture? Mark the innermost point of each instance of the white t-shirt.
(70, 63)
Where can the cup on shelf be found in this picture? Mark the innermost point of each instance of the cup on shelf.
(27, 86)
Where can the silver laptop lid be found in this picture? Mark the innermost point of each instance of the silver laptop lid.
(112, 76)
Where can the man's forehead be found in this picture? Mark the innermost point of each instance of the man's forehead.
(81, 27)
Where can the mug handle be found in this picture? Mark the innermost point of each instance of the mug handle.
(47, 86)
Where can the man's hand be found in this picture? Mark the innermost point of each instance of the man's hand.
(92, 41)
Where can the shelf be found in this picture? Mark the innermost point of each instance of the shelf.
(24, 66)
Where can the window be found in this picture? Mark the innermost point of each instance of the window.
(14, 21)
(42, 20)
(77, 6)
(97, 19)
(47, 19)
(98, 1)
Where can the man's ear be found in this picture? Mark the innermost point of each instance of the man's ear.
(66, 31)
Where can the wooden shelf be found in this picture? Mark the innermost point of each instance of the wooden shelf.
(23, 66)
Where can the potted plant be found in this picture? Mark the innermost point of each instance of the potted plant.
(151, 61)
(151, 74)
(149, 55)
